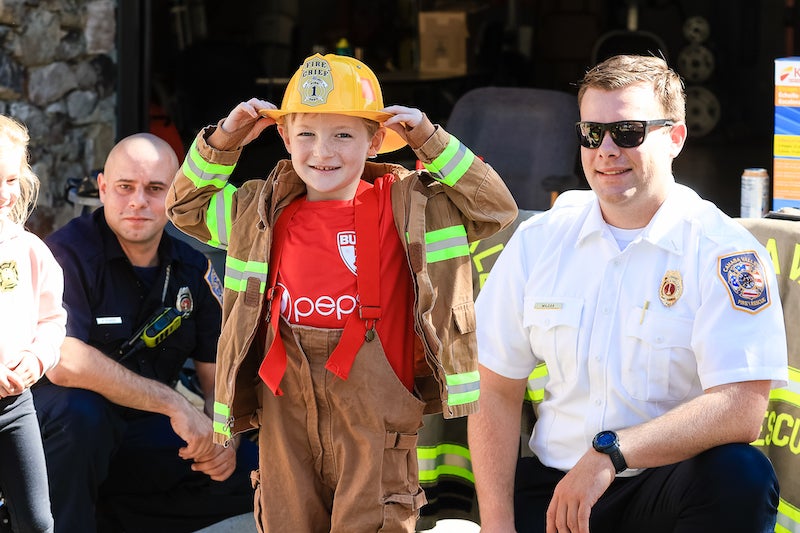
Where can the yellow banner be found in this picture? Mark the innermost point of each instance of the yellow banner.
(786, 145)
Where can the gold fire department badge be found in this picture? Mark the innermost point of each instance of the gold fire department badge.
(316, 82)
(671, 288)
(9, 276)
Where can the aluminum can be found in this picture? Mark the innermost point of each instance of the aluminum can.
(755, 193)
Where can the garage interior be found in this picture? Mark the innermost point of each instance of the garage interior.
(186, 63)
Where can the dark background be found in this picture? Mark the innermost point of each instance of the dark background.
(197, 59)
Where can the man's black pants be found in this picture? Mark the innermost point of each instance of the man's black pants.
(728, 488)
(114, 469)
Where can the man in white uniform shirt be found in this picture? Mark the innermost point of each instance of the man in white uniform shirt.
(660, 323)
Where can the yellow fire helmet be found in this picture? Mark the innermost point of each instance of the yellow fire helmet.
(336, 84)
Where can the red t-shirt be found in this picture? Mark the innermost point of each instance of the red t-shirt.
(318, 273)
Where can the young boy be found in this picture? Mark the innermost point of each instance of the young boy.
(337, 368)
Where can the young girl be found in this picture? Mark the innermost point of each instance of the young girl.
(32, 329)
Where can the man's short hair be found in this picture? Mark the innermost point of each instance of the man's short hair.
(621, 71)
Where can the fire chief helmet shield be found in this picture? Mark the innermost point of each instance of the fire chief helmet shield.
(336, 84)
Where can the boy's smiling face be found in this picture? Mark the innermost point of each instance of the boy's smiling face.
(329, 151)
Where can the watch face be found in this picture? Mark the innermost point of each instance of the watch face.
(605, 438)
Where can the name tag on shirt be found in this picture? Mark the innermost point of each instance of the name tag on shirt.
(105, 320)
(548, 305)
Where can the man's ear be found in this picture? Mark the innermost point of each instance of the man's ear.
(101, 186)
(678, 133)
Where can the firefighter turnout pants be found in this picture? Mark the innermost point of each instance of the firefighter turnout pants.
(337, 455)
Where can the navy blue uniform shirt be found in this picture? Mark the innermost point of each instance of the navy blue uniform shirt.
(108, 300)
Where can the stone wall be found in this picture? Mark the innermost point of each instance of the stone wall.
(57, 76)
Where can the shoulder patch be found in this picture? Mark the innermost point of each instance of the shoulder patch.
(213, 282)
(743, 275)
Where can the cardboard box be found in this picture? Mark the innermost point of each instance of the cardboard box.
(443, 37)
(786, 141)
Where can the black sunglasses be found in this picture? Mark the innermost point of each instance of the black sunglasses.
(625, 133)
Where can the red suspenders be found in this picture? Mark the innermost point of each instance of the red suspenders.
(360, 325)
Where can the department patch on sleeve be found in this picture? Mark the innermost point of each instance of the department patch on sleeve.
(743, 275)
(214, 283)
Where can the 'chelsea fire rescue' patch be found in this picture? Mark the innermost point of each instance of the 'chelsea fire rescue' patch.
(745, 280)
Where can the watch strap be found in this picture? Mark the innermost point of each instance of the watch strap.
(617, 459)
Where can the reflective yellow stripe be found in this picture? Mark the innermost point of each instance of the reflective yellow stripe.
(785, 395)
(794, 374)
(222, 409)
(463, 388)
(202, 173)
(452, 163)
(479, 257)
(788, 517)
(218, 216)
(535, 396)
(444, 460)
(446, 243)
(237, 272)
(536, 382)
(222, 415)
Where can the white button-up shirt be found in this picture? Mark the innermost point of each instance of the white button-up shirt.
(691, 303)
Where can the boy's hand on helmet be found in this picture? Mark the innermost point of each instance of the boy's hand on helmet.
(404, 117)
(245, 120)
(411, 124)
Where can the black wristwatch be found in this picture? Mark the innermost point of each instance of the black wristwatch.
(607, 442)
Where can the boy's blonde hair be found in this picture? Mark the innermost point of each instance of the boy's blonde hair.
(623, 70)
(14, 133)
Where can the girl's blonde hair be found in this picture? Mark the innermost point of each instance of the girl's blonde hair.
(14, 133)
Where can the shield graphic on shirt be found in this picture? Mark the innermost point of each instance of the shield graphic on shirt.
(9, 275)
(346, 241)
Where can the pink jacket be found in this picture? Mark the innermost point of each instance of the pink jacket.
(31, 287)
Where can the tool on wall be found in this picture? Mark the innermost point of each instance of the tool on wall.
(696, 64)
